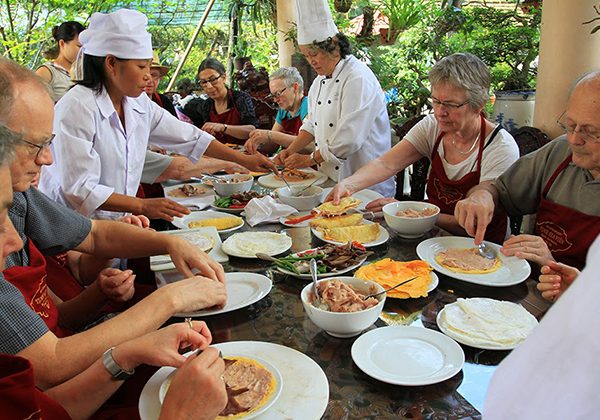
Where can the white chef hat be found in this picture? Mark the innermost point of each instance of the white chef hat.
(314, 21)
(121, 33)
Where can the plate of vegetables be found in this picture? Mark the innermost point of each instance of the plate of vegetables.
(332, 260)
(235, 203)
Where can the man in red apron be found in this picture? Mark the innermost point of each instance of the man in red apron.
(560, 184)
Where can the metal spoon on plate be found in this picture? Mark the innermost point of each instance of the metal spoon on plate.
(486, 252)
(313, 273)
(391, 288)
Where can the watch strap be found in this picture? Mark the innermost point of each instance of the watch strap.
(113, 367)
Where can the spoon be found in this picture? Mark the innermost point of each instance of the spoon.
(299, 193)
(391, 288)
(486, 252)
(313, 273)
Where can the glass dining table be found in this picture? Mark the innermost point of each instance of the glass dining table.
(280, 318)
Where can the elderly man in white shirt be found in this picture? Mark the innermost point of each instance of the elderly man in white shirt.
(347, 112)
(104, 125)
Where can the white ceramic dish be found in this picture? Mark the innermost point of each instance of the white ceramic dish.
(183, 222)
(227, 210)
(381, 238)
(225, 189)
(420, 356)
(272, 181)
(409, 227)
(299, 373)
(243, 289)
(197, 202)
(310, 198)
(247, 244)
(366, 196)
(164, 263)
(512, 271)
(344, 324)
(305, 223)
(320, 276)
(164, 387)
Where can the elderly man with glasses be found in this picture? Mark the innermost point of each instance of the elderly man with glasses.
(559, 183)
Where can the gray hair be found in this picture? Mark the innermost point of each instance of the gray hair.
(289, 75)
(8, 140)
(589, 77)
(465, 71)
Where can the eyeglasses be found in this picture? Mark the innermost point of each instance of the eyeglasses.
(436, 103)
(39, 147)
(212, 80)
(587, 135)
(277, 95)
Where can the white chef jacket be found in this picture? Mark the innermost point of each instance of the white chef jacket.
(555, 373)
(348, 118)
(94, 156)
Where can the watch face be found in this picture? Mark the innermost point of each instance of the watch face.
(113, 368)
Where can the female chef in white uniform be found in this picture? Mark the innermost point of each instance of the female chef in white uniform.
(347, 114)
(104, 124)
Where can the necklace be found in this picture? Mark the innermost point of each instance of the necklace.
(470, 149)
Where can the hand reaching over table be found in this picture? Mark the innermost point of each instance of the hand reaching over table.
(162, 208)
(297, 161)
(257, 138)
(116, 285)
(475, 213)
(528, 247)
(555, 279)
(186, 257)
(259, 163)
(194, 293)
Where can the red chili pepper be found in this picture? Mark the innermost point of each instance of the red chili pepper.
(297, 220)
(358, 245)
(237, 206)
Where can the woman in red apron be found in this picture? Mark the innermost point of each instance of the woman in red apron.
(286, 88)
(226, 114)
(567, 232)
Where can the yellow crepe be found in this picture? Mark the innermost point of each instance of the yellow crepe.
(389, 273)
(470, 259)
(346, 203)
(221, 223)
(337, 221)
(361, 233)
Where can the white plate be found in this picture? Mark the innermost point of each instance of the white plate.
(228, 210)
(271, 181)
(183, 222)
(236, 243)
(243, 289)
(164, 387)
(320, 276)
(164, 263)
(381, 238)
(366, 196)
(282, 219)
(421, 356)
(462, 340)
(300, 373)
(512, 271)
(199, 202)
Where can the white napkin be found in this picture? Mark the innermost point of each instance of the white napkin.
(266, 209)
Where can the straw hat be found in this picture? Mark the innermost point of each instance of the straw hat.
(156, 64)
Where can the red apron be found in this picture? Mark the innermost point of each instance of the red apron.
(230, 117)
(60, 279)
(31, 282)
(19, 398)
(292, 125)
(568, 233)
(445, 193)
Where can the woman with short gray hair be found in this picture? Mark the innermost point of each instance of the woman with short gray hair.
(287, 90)
(464, 147)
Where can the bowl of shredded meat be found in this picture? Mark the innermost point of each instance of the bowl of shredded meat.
(342, 310)
(410, 219)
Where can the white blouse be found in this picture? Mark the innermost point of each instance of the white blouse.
(96, 156)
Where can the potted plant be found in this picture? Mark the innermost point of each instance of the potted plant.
(401, 15)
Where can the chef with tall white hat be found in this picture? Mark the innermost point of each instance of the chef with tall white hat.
(347, 115)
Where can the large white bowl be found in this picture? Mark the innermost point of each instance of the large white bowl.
(344, 324)
(226, 189)
(311, 197)
(409, 227)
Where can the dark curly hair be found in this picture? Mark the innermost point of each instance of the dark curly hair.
(330, 44)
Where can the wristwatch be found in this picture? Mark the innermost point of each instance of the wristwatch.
(113, 368)
(224, 128)
(312, 157)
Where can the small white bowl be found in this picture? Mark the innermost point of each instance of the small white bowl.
(409, 227)
(344, 324)
(311, 197)
(225, 189)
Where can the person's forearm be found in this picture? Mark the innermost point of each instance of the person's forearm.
(239, 131)
(82, 309)
(89, 268)
(489, 187)
(71, 355)
(372, 173)
(284, 140)
(218, 150)
(303, 140)
(449, 223)
(122, 203)
(83, 395)
(183, 169)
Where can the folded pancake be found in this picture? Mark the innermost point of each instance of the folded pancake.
(338, 221)
(296, 175)
(467, 260)
(389, 273)
(249, 386)
(346, 203)
(221, 223)
(361, 233)
(483, 321)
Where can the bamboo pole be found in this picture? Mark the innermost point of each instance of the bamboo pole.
(190, 44)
